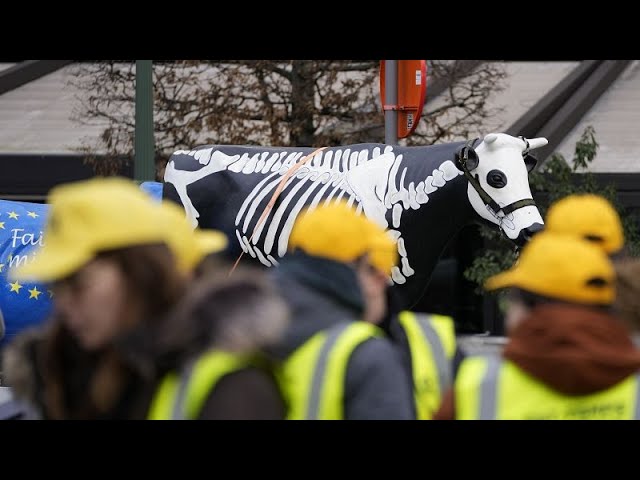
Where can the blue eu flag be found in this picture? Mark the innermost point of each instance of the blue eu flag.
(22, 304)
(22, 224)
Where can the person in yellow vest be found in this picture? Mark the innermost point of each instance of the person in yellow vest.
(567, 356)
(594, 218)
(429, 353)
(336, 363)
(214, 350)
(116, 263)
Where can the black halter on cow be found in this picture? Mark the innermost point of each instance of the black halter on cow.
(422, 195)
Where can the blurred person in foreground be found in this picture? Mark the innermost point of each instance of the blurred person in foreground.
(213, 346)
(336, 362)
(594, 218)
(117, 264)
(567, 356)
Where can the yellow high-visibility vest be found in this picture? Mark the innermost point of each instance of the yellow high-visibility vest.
(181, 397)
(492, 388)
(313, 377)
(432, 342)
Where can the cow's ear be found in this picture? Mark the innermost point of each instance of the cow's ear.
(530, 161)
(467, 157)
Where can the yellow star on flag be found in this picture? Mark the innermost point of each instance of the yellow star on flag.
(2, 225)
(1, 267)
(32, 214)
(34, 293)
(13, 215)
(15, 287)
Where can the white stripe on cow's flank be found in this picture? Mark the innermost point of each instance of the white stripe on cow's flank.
(344, 164)
(269, 239)
(258, 199)
(253, 192)
(273, 260)
(318, 197)
(248, 245)
(350, 201)
(261, 257)
(336, 161)
(333, 192)
(244, 247)
(283, 240)
(261, 227)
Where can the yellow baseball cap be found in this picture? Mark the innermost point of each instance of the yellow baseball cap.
(589, 216)
(562, 267)
(338, 233)
(91, 216)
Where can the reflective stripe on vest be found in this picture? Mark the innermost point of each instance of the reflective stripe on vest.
(490, 387)
(313, 377)
(179, 398)
(432, 342)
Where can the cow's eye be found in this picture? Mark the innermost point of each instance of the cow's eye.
(496, 179)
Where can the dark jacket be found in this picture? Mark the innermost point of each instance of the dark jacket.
(574, 350)
(322, 293)
(48, 369)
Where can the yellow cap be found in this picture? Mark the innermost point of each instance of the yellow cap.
(190, 246)
(338, 233)
(589, 216)
(562, 267)
(91, 216)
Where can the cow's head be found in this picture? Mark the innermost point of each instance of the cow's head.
(498, 173)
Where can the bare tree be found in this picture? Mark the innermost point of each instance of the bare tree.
(286, 103)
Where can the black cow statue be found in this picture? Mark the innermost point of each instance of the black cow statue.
(422, 195)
